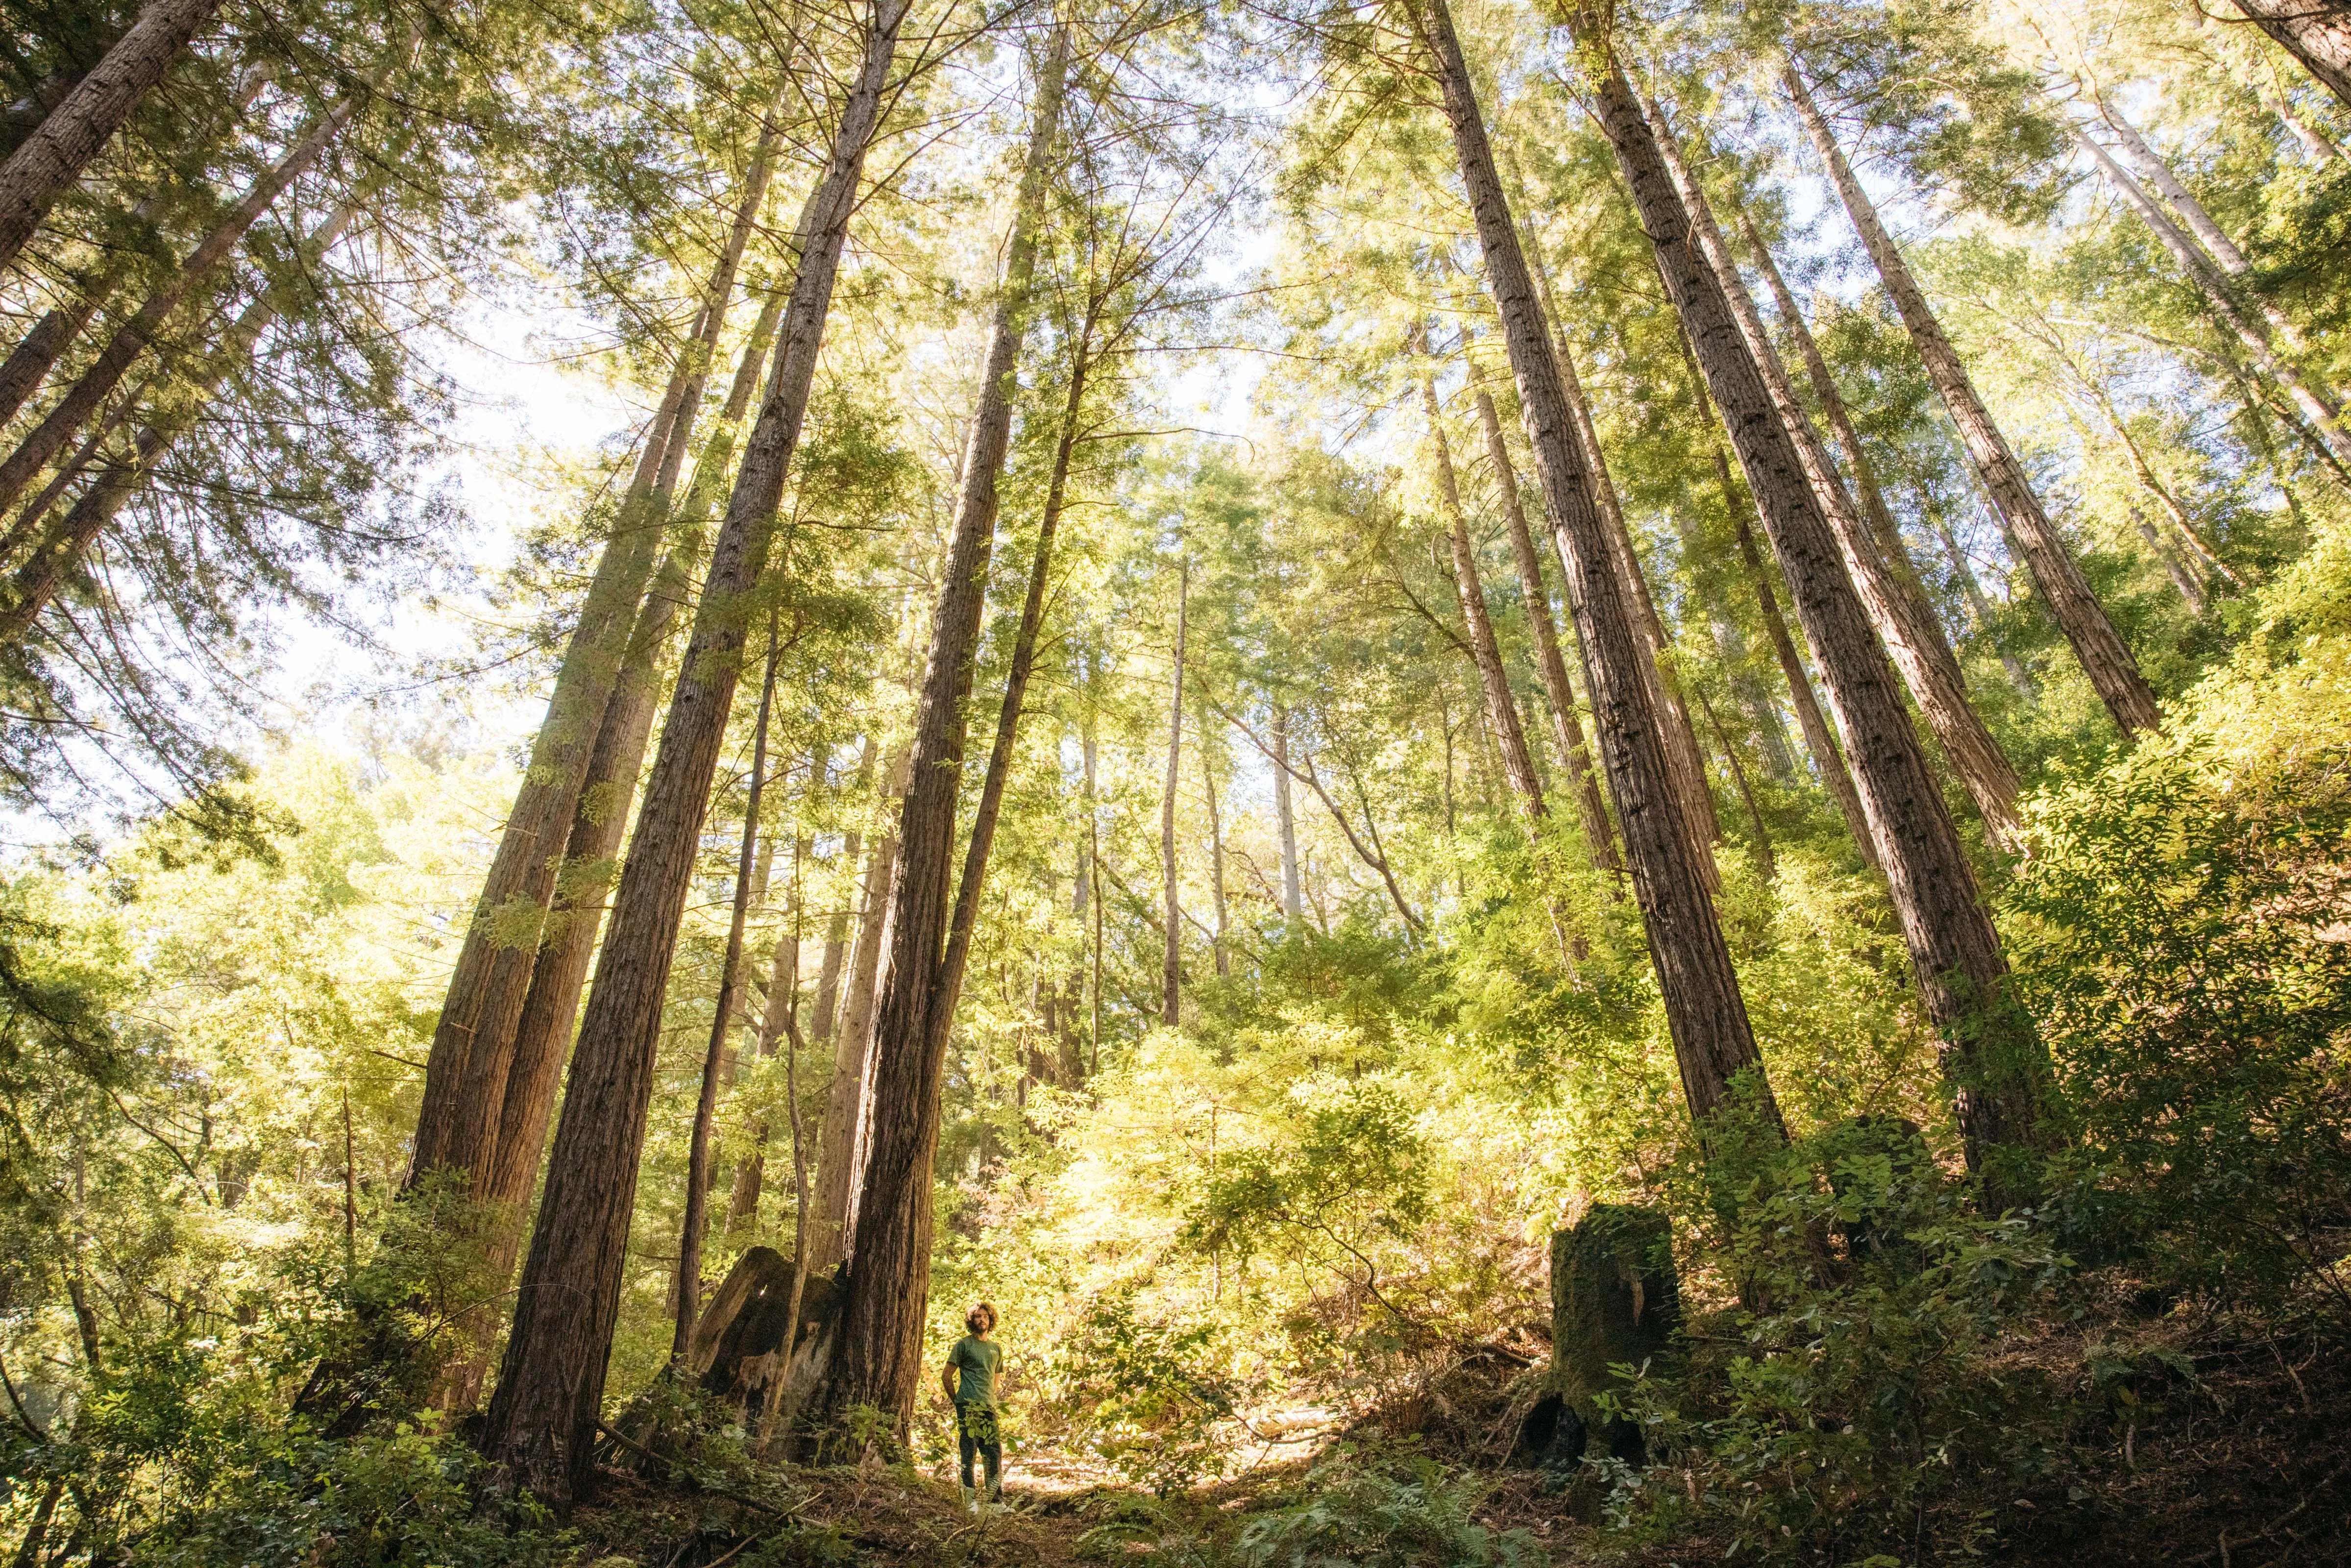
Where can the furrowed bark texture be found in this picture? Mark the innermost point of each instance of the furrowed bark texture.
(1992, 1057)
(1485, 651)
(878, 1359)
(2105, 658)
(722, 1021)
(70, 135)
(1904, 620)
(1713, 1041)
(841, 1156)
(1559, 691)
(2315, 32)
(542, 1421)
(474, 1043)
(1692, 798)
(104, 373)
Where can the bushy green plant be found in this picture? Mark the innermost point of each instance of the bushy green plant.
(1857, 1387)
(1148, 1398)
(2179, 934)
(1382, 1511)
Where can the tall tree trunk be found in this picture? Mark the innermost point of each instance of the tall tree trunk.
(105, 372)
(2103, 657)
(1826, 754)
(722, 1023)
(1217, 947)
(1992, 1058)
(1713, 1041)
(1691, 797)
(2317, 403)
(1766, 862)
(1083, 894)
(2153, 484)
(542, 1421)
(36, 583)
(878, 1358)
(551, 1003)
(2315, 32)
(1567, 729)
(471, 1064)
(1171, 967)
(49, 160)
(836, 923)
(1294, 900)
(37, 353)
(841, 1161)
(1903, 618)
(778, 1013)
(1485, 651)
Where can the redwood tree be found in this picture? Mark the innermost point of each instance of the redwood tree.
(541, 1424)
(1713, 1042)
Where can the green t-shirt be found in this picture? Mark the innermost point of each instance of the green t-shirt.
(978, 1360)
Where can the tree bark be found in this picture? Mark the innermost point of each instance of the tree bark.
(1713, 1042)
(2103, 657)
(2315, 32)
(105, 372)
(49, 160)
(1826, 756)
(878, 1354)
(721, 1022)
(471, 1065)
(542, 1421)
(1171, 965)
(1559, 691)
(1485, 651)
(1217, 948)
(1294, 900)
(1692, 798)
(1992, 1058)
(841, 1157)
(1904, 620)
(2317, 403)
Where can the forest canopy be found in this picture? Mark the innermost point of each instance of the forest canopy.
(1562, 781)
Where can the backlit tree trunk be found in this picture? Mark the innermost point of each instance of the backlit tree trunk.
(721, 1022)
(878, 1359)
(1171, 966)
(1905, 621)
(1992, 1058)
(542, 1421)
(1485, 651)
(1713, 1042)
(2317, 403)
(841, 1155)
(2113, 672)
(49, 160)
(1293, 902)
(471, 1065)
(1691, 798)
(1567, 729)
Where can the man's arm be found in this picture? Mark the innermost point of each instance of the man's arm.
(948, 1377)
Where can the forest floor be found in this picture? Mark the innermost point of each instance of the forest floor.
(2242, 1459)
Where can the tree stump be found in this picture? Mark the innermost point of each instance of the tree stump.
(738, 1351)
(1614, 1298)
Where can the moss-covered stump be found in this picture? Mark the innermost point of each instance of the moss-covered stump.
(1614, 1300)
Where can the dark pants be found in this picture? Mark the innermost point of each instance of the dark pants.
(976, 1435)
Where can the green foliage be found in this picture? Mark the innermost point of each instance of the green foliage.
(1150, 1398)
(1859, 1385)
(2178, 934)
(1382, 1511)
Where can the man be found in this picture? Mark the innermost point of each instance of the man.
(969, 1379)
